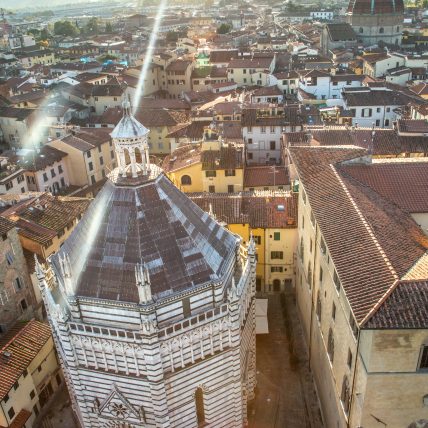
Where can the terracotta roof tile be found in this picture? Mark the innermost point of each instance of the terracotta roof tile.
(384, 141)
(23, 343)
(404, 183)
(228, 157)
(263, 209)
(405, 307)
(257, 176)
(5, 225)
(382, 242)
(43, 217)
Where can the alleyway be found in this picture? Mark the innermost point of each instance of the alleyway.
(285, 396)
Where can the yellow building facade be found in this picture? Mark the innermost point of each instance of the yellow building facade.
(270, 218)
(211, 166)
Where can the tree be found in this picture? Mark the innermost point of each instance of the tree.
(224, 29)
(44, 34)
(34, 31)
(65, 28)
(92, 26)
(109, 27)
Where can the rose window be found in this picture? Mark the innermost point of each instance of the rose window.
(119, 410)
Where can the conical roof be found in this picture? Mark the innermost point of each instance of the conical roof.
(374, 7)
(151, 223)
(128, 127)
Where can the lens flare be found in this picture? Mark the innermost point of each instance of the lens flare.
(148, 57)
(37, 135)
(91, 231)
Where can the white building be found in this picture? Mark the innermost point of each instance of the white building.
(151, 304)
(324, 86)
(323, 15)
(373, 106)
(287, 82)
(262, 128)
(45, 169)
(12, 178)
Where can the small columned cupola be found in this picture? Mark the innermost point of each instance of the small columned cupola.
(129, 135)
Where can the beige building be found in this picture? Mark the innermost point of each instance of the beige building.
(251, 71)
(361, 287)
(12, 177)
(17, 300)
(90, 154)
(29, 373)
(15, 124)
(178, 77)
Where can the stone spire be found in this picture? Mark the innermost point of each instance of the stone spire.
(128, 136)
(142, 279)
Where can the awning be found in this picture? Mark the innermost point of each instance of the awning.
(261, 316)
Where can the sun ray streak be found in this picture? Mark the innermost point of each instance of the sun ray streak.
(148, 57)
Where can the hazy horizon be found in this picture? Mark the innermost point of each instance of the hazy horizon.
(40, 5)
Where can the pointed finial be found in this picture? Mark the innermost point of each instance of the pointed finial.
(142, 278)
(211, 212)
(126, 105)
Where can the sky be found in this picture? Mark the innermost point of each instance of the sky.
(39, 4)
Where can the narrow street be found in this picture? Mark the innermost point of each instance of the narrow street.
(285, 395)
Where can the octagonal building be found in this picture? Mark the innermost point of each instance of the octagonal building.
(151, 303)
(377, 20)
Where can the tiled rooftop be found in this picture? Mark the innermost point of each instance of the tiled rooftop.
(404, 183)
(259, 176)
(406, 306)
(372, 242)
(43, 217)
(23, 342)
(262, 209)
(154, 224)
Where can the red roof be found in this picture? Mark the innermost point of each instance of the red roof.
(259, 176)
(405, 184)
(264, 209)
(372, 242)
(406, 306)
(18, 348)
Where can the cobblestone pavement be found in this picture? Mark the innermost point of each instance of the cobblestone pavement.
(285, 394)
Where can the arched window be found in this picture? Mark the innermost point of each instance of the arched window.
(345, 395)
(199, 402)
(186, 180)
(330, 345)
(398, 29)
(381, 30)
(425, 400)
(361, 30)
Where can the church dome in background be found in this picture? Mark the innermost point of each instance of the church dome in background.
(373, 7)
